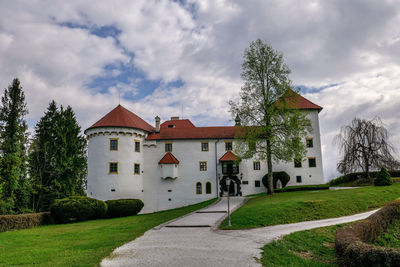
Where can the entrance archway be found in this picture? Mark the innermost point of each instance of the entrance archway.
(234, 188)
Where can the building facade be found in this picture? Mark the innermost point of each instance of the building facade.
(175, 163)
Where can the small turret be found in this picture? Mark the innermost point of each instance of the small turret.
(237, 120)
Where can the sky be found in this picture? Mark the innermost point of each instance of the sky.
(183, 58)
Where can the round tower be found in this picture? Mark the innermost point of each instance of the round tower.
(115, 155)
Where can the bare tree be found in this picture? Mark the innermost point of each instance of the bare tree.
(365, 146)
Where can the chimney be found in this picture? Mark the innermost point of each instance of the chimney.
(157, 124)
(174, 118)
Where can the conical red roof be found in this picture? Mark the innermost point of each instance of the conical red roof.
(229, 156)
(121, 117)
(168, 159)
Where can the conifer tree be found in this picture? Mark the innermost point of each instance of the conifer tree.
(13, 134)
(57, 160)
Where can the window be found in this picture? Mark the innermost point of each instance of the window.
(136, 168)
(168, 147)
(312, 163)
(228, 146)
(198, 188)
(208, 188)
(309, 142)
(257, 183)
(245, 182)
(204, 146)
(203, 165)
(256, 165)
(297, 163)
(113, 168)
(113, 144)
(298, 179)
(137, 146)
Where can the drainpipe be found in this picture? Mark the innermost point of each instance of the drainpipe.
(216, 169)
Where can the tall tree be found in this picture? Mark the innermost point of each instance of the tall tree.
(14, 136)
(57, 160)
(268, 105)
(365, 146)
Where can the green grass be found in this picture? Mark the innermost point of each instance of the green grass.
(79, 244)
(311, 248)
(391, 237)
(290, 207)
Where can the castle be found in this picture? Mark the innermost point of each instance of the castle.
(175, 163)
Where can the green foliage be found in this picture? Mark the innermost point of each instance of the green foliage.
(23, 221)
(13, 135)
(281, 176)
(391, 237)
(291, 207)
(123, 207)
(77, 208)
(57, 159)
(267, 107)
(383, 178)
(80, 244)
(303, 188)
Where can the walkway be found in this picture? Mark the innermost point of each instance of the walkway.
(191, 241)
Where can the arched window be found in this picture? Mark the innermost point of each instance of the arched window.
(208, 188)
(198, 188)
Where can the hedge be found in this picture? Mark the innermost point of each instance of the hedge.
(383, 178)
(282, 176)
(356, 175)
(351, 242)
(23, 221)
(123, 207)
(77, 208)
(303, 188)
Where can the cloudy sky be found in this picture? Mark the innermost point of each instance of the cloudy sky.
(171, 58)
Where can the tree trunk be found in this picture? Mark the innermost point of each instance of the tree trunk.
(270, 187)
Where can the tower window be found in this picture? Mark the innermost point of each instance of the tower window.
(137, 146)
(137, 168)
(113, 168)
(113, 144)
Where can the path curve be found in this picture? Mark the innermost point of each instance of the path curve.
(191, 240)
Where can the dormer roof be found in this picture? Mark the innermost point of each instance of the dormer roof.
(169, 159)
(121, 117)
(229, 156)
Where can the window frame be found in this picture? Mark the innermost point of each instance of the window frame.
(208, 192)
(137, 142)
(113, 139)
(298, 161)
(109, 167)
(229, 142)
(257, 183)
(315, 161)
(254, 165)
(206, 168)
(299, 181)
(165, 147)
(201, 146)
(134, 168)
(312, 142)
(201, 188)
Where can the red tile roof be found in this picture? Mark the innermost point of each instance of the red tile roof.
(121, 117)
(168, 159)
(229, 156)
(299, 102)
(192, 132)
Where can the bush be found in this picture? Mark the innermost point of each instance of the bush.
(123, 207)
(23, 221)
(351, 241)
(282, 176)
(77, 208)
(383, 178)
(359, 175)
(303, 188)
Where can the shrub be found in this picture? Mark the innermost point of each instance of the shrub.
(123, 207)
(22, 221)
(383, 178)
(282, 176)
(77, 208)
(351, 241)
(303, 188)
(359, 175)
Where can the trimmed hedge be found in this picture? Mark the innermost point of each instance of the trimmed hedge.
(351, 242)
(77, 208)
(383, 178)
(357, 175)
(282, 176)
(303, 188)
(23, 221)
(123, 207)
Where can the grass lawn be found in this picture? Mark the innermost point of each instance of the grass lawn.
(391, 237)
(79, 244)
(311, 248)
(290, 207)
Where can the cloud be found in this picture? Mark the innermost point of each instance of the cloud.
(347, 52)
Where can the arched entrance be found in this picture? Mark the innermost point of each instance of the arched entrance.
(234, 188)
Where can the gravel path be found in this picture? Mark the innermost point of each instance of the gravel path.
(191, 240)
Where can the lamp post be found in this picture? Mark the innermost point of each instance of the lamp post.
(228, 183)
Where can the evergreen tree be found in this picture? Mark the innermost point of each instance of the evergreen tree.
(13, 134)
(57, 158)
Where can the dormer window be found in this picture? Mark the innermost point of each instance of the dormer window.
(171, 126)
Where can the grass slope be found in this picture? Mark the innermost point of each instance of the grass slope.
(299, 206)
(311, 248)
(79, 244)
(391, 237)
